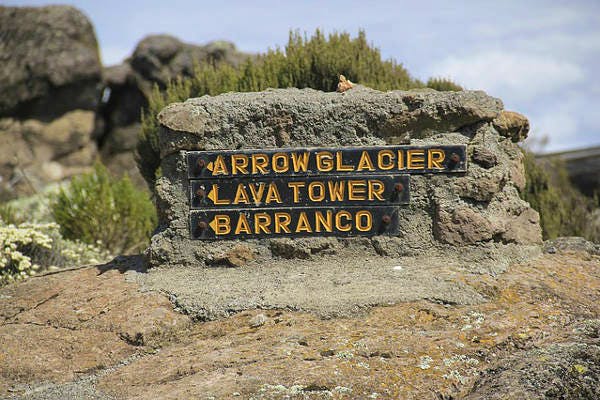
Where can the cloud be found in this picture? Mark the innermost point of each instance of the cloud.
(518, 76)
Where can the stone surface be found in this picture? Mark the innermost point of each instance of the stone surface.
(476, 208)
(532, 333)
(512, 125)
(34, 153)
(50, 62)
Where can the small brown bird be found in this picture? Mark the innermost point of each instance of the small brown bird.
(344, 84)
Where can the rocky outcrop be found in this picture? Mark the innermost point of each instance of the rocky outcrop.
(50, 62)
(156, 60)
(481, 207)
(110, 332)
(34, 153)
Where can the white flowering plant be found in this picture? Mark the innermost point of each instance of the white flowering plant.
(28, 248)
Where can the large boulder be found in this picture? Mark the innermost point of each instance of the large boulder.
(50, 62)
(156, 60)
(480, 209)
(34, 153)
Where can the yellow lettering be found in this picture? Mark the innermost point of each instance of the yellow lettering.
(324, 161)
(260, 162)
(311, 191)
(336, 190)
(400, 160)
(339, 163)
(262, 222)
(219, 167)
(368, 221)
(435, 158)
(272, 194)
(338, 221)
(214, 196)
(257, 190)
(282, 221)
(221, 224)
(300, 161)
(303, 225)
(381, 163)
(324, 221)
(239, 162)
(241, 196)
(242, 225)
(365, 162)
(285, 164)
(415, 159)
(296, 189)
(376, 189)
(357, 190)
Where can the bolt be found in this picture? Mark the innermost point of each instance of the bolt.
(202, 225)
(201, 193)
(386, 219)
(398, 187)
(454, 158)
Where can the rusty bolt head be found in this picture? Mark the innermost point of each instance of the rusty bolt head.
(386, 219)
(202, 225)
(201, 163)
(398, 187)
(200, 193)
(454, 158)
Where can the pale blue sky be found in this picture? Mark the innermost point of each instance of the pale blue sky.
(541, 58)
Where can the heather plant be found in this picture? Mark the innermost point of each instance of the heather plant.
(314, 62)
(97, 208)
(29, 248)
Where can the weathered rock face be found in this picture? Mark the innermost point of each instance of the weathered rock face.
(479, 208)
(34, 153)
(157, 59)
(50, 62)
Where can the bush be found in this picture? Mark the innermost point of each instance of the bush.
(443, 85)
(564, 211)
(97, 208)
(27, 249)
(316, 63)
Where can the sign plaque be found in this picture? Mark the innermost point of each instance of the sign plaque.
(352, 191)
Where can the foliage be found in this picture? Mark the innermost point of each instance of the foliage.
(314, 62)
(8, 214)
(564, 211)
(27, 248)
(443, 85)
(97, 208)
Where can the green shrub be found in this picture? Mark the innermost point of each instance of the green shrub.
(443, 85)
(27, 249)
(316, 63)
(564, 211)
(98, 209)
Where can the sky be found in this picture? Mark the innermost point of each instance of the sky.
(541, 58)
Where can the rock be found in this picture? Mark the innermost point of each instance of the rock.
(462, 210)
(572, 244)
(37, 153)
(238, 256)
(50, 62)
(257, 321)
(462, 225)
(512, 125)
(156, 60)
(484, 157)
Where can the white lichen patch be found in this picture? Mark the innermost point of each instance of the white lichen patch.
(425, 362)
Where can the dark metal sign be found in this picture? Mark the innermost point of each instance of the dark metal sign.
(323, 161)
(317, 191)
(293, 222)
(348, 191)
